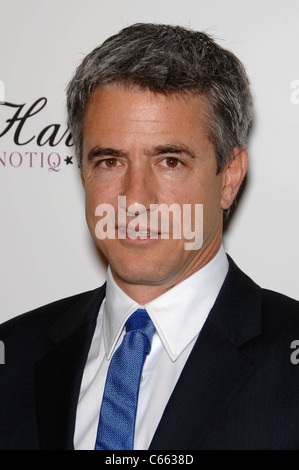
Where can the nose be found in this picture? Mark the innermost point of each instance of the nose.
(139, 188)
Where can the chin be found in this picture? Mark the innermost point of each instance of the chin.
(139, 275)
(141, 272)
(144, 265)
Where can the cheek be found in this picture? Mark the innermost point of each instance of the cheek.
(207, 191)
(211, 188)
(90, 201)
(212, 206)
(96, 194)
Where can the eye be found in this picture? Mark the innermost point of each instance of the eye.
(171, 162)
(108, 163)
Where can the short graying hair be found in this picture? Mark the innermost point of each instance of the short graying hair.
(172, 60)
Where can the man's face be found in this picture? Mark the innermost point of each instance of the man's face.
(152, 149)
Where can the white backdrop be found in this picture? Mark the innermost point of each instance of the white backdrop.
(46, 249)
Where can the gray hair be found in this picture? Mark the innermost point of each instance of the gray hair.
(169, 59)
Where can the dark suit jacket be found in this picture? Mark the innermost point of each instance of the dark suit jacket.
(238, 390)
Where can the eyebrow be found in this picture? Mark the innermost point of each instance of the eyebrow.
(158, 150)
(171, 148)
(104, 151)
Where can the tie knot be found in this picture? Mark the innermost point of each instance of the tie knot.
(140, 321)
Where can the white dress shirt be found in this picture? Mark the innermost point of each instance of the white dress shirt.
(178, 316)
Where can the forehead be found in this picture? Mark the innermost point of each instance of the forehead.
(127, 108)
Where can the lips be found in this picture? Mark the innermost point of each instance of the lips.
(134, 233)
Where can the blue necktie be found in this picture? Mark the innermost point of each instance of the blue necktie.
(118, 411)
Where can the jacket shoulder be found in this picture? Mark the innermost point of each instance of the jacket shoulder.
(42, 318)
(280, 310)
(272, 299)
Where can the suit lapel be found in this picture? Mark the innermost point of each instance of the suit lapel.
(216, 367)
(59, 372)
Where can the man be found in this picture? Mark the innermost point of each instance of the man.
(160, 116)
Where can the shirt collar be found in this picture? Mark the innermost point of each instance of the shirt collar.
(117, 309)
(178, 314)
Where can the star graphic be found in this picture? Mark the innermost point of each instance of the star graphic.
(68, 160)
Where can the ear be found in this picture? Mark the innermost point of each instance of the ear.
(233, 174)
